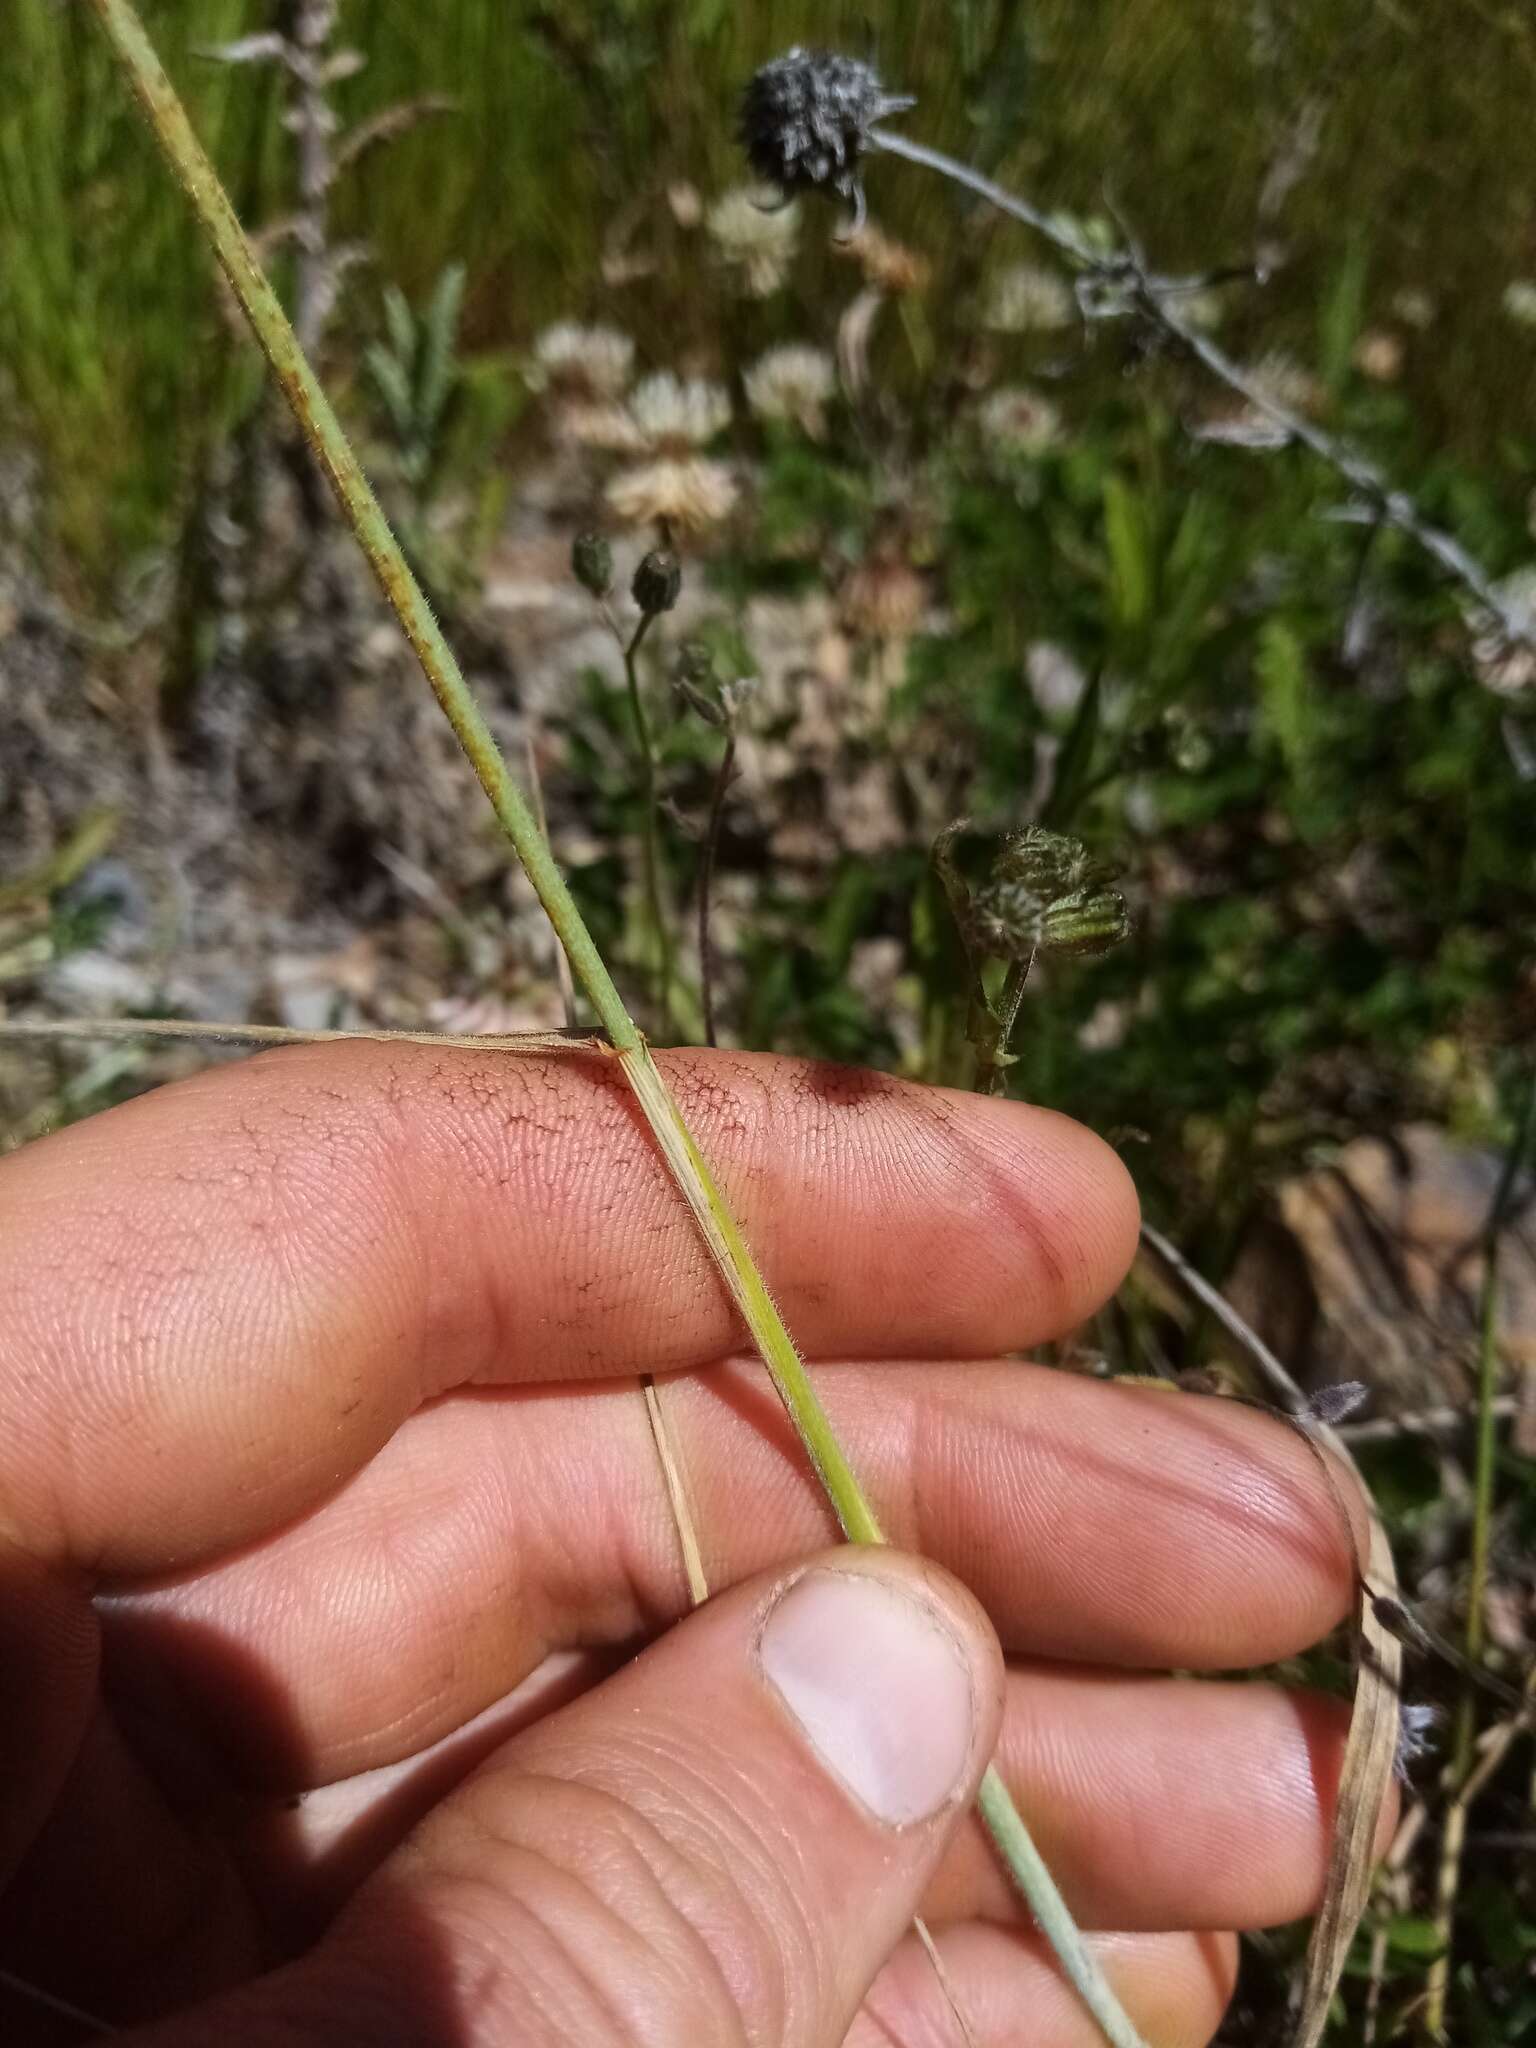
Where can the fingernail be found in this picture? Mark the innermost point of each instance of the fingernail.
(880, 1686)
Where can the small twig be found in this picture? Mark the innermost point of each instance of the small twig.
(946, 1983)
(1424, 1422)
(1128, 284)
(677, 1492)
(1287, 1394)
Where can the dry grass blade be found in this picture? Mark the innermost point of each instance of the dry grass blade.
(41, 1029)
(1369, 1756)
(677, 1492)
(1371, 1750)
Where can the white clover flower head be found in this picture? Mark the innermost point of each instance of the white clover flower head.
(582, 363)
(1520, 300)
(675, 415)
(1504, 665)
(689, 493)
(1378, 354)
(1414, 308)
(756, 233)
(793, 383)
(1281, 380)
(1021, 421)
(1025, 299)
(603, 426)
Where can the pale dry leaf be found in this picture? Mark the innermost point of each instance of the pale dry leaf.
(1370, 1755)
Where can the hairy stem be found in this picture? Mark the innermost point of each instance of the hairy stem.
(198, 179)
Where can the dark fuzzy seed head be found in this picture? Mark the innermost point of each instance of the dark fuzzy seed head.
(806, 117)
(592, 563)
(657, 582)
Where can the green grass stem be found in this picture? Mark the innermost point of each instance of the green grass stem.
(198, 179)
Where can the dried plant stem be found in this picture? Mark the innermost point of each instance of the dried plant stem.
(198, 179)
(1370, 1751)
(1453, 1833)
(1426, 1422)
(1153, 296)
(677, 1491)
(43, 1028)
(685, 1522)
(723, 778)
(661, 936)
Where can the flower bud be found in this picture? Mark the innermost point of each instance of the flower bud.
(592, 563)
(1086, 922)
(657, 583)
(1046, 893)
(806, 117)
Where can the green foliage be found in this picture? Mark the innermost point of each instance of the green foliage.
(417, 380)
(106, 301)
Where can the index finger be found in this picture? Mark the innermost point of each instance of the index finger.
(220, 1300)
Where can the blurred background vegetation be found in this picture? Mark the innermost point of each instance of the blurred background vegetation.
(569, 116)
(1011, 564)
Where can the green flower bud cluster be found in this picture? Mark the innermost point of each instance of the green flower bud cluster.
(1046, 893)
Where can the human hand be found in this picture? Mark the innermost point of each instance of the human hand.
(331, 1521)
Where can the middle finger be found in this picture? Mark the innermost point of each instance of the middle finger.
(1103, 1523)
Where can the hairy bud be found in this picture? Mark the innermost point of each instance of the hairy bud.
(658, 581)
(1045, 893)
(806, 117)
(592, 563)
(1084, 922)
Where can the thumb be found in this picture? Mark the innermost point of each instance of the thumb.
(722, 1843)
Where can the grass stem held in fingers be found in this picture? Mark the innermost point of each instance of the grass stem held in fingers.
(197, 177)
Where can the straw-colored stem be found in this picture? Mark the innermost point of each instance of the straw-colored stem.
(323, 431)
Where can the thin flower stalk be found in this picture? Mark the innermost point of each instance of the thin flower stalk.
(1126, 284)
